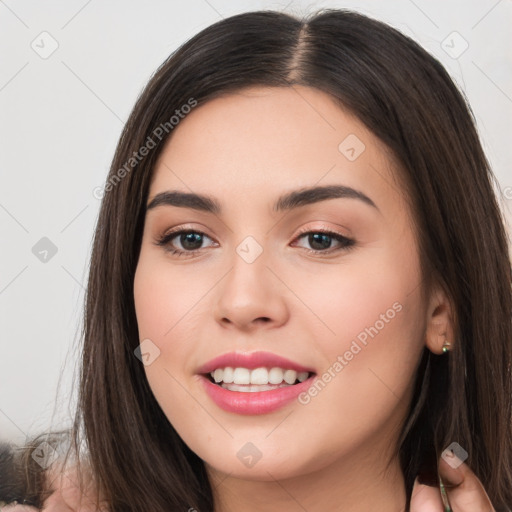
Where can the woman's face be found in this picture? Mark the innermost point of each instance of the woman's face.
(256, 278)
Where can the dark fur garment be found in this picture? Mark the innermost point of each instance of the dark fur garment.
(20, 480)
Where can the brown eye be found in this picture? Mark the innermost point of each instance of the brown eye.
(321, 241)
(189, 240)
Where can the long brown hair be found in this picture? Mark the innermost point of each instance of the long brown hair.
(407, 99)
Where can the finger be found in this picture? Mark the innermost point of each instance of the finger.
(68, 495)
(464, 490)
(426, 498)
(55, 503)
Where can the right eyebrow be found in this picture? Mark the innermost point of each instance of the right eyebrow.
(288, 201)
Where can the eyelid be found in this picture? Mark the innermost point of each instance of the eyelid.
(203, 230)
(185, 227)
(347, 242)
(324, 227)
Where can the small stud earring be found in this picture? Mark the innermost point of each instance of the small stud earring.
(446, 347)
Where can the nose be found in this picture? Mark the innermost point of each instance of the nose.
(250, 296)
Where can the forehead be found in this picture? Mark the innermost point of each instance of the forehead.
(262, 140)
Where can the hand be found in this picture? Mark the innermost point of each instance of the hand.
(464, 490)
(66, 496)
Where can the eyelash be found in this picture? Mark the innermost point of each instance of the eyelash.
(346, 243)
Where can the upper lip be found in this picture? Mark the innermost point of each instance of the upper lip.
(252, 360)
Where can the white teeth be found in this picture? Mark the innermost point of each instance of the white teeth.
(242, 376)
(258, 376)
(275, 376)
(251, 389)
(290, 376)
(229, 375)
(302, 376)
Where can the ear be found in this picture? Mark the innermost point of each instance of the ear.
(439, 322)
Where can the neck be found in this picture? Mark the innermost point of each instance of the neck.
(349, 485)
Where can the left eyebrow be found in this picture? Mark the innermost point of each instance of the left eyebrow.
(288, 201)
(303, 197)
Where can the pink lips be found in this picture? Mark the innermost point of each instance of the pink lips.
(259, 402)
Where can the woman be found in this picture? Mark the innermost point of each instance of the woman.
(338, 335)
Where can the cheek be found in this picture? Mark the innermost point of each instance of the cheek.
(371, 294)
(167, 296)
(375, 311)
(170, 308)
(363, 390)
(369, 312)
(163, 304)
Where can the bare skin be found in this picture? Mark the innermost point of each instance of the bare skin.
(246, 150)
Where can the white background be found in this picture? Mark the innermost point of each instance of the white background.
(60, 119)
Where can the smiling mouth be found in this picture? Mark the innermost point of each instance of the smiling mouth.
(256, 380)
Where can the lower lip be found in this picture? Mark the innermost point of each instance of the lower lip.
(258, 402)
